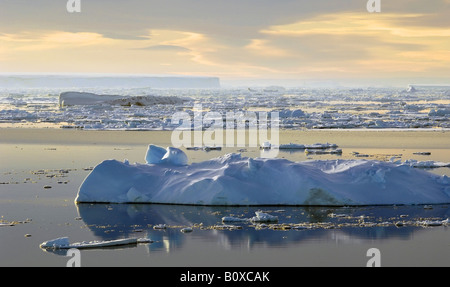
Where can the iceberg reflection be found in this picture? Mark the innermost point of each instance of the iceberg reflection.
(114, 221)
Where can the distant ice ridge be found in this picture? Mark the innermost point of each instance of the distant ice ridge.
(236, 180)
(81, 98)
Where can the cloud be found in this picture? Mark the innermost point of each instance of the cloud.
(252, 38)
(166, 48)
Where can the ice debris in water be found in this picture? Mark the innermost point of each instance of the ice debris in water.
(63, 243)
(235, 180)
(259, 217)
(264, 217)
(311, 108)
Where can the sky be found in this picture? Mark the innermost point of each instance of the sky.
(245, 41)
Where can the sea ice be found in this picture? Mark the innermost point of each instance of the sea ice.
(63, 243)
(426, 164)
(263, 217)
(235, 180)
(83, 98)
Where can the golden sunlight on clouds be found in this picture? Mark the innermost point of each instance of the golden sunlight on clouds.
(330, 45)
(59, 51)
(363, 43)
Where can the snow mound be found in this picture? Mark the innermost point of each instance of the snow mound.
(236, 180)
(170, 156)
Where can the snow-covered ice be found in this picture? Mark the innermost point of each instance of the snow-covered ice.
(426, 164)
(264, 217)
(235, 180)
(170, 156)
(81, 98)
(64, 243)
(259, 217)
(125, 107)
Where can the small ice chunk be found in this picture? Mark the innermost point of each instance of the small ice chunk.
(187, 230)
(175, 156)
(266, 145)
(431, 223)
(263, 217)
(154, 154)
(160, 226)
(171, 155)
(62, 242)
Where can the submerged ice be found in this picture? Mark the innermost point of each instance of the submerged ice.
(235, 180)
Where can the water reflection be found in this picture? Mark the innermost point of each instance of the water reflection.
(114, 221)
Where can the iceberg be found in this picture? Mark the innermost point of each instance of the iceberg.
(235, 180)
(83, 99)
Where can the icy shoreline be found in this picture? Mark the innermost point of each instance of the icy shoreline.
(166, 178)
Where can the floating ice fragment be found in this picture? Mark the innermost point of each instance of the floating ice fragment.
(266, 145)
(426, 164)
(430, 223)
(63, 243)
(259, 217)
(335, 151)
(160, 226)
(264, 217)
(187, 230)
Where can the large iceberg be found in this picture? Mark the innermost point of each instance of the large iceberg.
(82, 99)
(231, 179)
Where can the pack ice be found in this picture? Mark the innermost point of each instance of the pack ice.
(167, 178)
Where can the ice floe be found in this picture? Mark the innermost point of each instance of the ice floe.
(426, 164)
(63, 243)
(259, 217)
(151, 109)
(235, 180)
